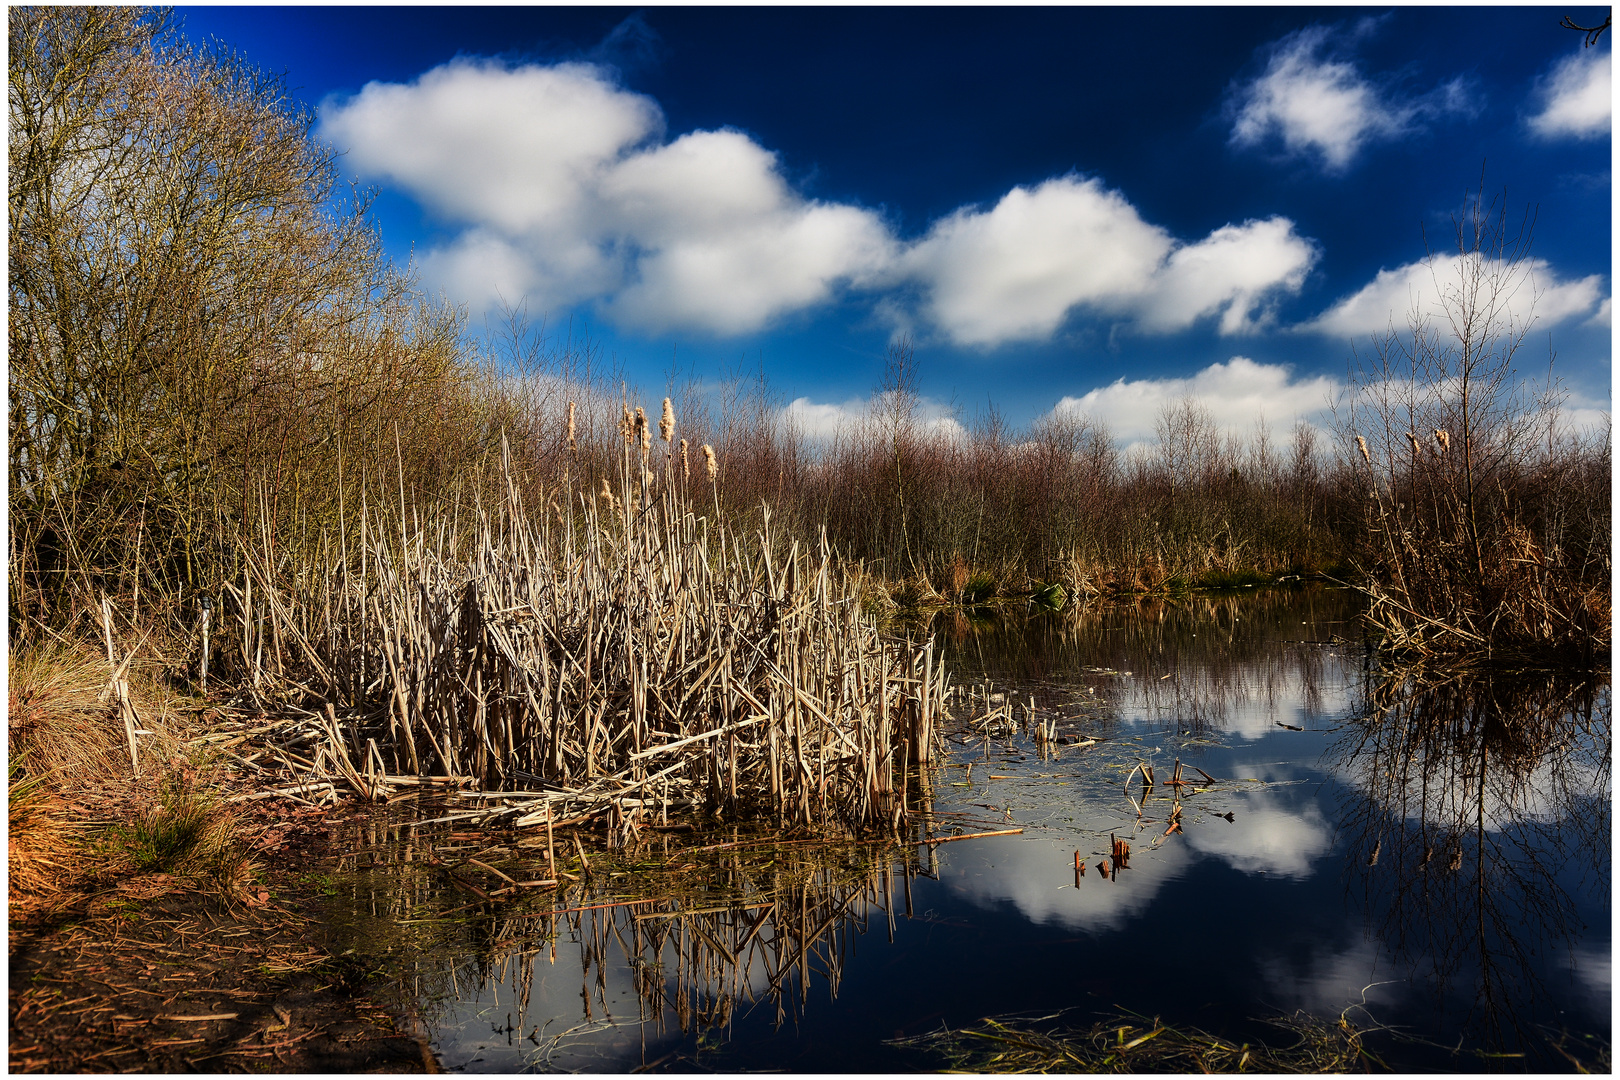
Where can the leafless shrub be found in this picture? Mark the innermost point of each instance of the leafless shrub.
(1468, 488)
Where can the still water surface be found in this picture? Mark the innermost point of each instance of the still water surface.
(1427, 857)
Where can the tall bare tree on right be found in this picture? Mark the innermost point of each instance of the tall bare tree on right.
(1487, 519)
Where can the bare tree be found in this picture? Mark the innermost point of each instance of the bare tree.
(1445, 432)
(201, 315)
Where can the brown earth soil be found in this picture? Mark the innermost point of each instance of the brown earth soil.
(149, 974)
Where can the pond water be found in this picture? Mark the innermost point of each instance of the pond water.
(1429, 859)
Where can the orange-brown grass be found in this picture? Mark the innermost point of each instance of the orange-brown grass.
(77, 808)
(60, 731)
(60, 724)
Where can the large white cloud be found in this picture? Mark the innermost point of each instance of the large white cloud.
(1533, 289)
(1577, 97)
(1235, 393)
(1234, 271)
(1016, 271)
(1320, 105)
(573, 196)
(567, 191)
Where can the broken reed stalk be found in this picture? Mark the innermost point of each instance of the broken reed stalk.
(632, 657)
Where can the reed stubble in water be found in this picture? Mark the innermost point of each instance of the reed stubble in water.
(631, 657)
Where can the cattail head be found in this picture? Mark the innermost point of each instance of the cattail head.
(710, 463)
(1417, 447)
(686, 466)
(572, 445)
(643, 431)
(606, 494)
(627, 424)
(1362, 443)
(666, 425)
(1442, 437)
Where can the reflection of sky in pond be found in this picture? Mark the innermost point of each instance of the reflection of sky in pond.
(1268, 837)
(1290, 904)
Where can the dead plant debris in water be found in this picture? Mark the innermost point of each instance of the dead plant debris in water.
(1129, 1043)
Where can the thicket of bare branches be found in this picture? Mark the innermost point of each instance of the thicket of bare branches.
(953, 513)
(1487, 523)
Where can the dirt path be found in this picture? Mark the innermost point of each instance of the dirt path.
(144, 975)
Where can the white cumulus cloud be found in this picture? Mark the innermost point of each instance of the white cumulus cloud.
(1577, 97)
(1234, 271)
(1015, 272)
(1235, 393)
(1319, 104)
(1534, 289)
(572, 195)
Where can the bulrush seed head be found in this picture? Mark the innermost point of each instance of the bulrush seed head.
(606, 493)
(1362, 443)
(1442, 437)
(710, 463)
(686, 466)
(666, 425)
(627, 424)
(644, 431)
(573, 446)
(1417, 447)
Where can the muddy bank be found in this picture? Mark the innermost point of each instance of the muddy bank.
(149, 974)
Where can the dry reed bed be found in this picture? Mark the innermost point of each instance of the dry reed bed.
(633, 657)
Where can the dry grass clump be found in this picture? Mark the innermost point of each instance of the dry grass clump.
(59, 722)
(60, 733)
(71, 716)
(1512, 603)
(38, 835)
(1127, 1044)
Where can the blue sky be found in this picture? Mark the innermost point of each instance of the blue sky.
(1089, 208)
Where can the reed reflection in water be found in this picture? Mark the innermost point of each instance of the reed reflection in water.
(626, 967)
(1479, 806)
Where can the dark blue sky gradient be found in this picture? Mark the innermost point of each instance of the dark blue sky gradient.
(917, 112)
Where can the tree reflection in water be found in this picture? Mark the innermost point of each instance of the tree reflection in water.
(1479, 802)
